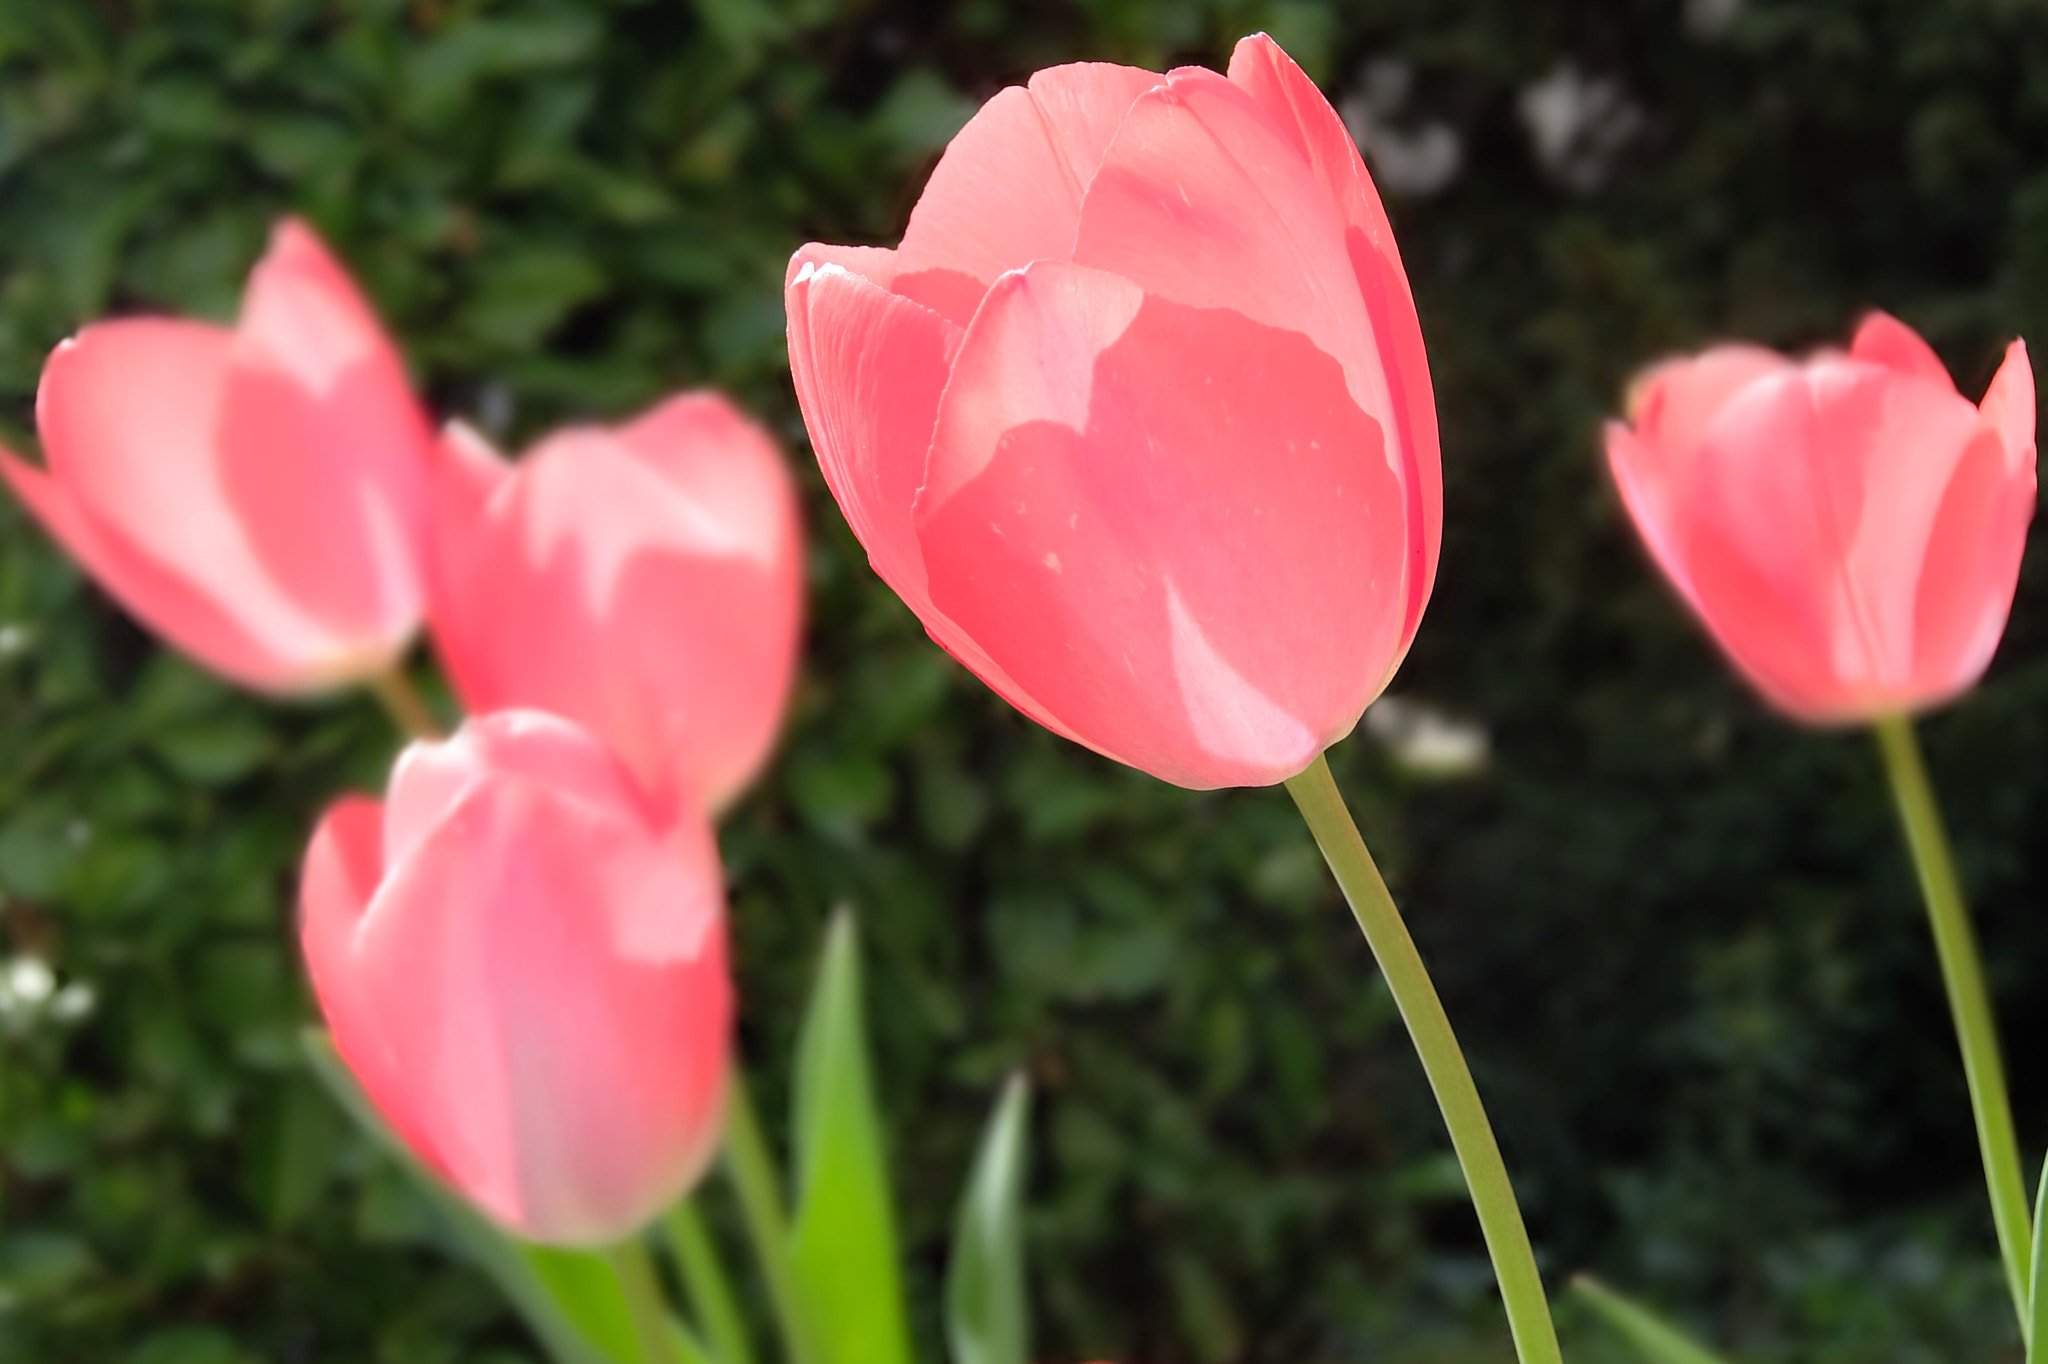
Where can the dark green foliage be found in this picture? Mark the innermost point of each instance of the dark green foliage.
(1679, 937)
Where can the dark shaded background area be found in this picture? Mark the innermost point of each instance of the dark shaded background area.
(1678, 936)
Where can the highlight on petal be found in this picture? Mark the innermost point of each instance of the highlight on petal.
(1008, 189)
(1094, 553)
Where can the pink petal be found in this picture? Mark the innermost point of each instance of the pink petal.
(1645, 484)
(1882, 339)
(1672, 404)
(152, 593)
(1299, 112)
(645, 582)
(343, 866)
(868, 368)
(1201, 200)
(1170, 525)
(128, 413)
(570, 1088)
(1008, 189)
(1971, 569)
(322, 446)
(1825, 483)
(432, 778)
(2008, 406)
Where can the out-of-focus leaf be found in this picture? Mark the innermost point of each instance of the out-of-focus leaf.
(843, 1241)
(987, 1318)
(570, 1298)
(1656, 1339)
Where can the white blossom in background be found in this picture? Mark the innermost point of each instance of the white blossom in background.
(1427, 740)
(1578, 125)
(13, 638)
(29, 994)
(1411, 157)
(1710, 18)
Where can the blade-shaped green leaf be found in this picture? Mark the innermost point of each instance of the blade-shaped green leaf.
(987, 1319)
(570, 1298)
(2037, 1300)
(843, 1241)
(1657, 1339)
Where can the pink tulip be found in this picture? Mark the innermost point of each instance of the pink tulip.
(253, 495)
(1849, 527)
(644, 581)
(1137, 419)
(527, 973)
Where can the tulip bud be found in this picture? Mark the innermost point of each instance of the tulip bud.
(1137, 419)
(527, 975)
(1849, 526)
(252, 495)
(644, 581)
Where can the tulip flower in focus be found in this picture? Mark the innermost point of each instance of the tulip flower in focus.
(251, 494)
(527, 975)
(644, 581)
(1137, 419)
(1849, 526)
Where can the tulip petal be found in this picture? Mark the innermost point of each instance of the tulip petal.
(1299, 111)
(343, 866)
(322, 446)
(1008, 189)
(2008, 407)
(1108, 474)
(1672, 404)
(128, 411)
(1825, 484)
(551, 988)
(147, 590)
(1202, 201)
(654, 576)
(1971, 569)
(1882, 339)
(869, 368)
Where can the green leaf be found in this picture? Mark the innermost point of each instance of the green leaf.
(2037, 1301)
(987, 1320)
(571, 1298)
(843, 1242)
(1657, 1339)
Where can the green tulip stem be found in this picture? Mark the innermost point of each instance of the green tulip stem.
(752, 1171)
(644, 1301)
(703, 1274)
(1962, 973)
(403, 703)
(1493, 1197)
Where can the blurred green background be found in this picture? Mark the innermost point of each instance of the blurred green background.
(1679, 937)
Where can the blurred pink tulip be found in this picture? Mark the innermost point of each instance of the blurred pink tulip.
(527, 975)
(253, 495)
(1137, 419)
(645, 581)
(1849, 527)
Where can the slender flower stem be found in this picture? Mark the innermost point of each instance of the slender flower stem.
(752, 1171)
(1500, 1218)
(1962, 972)
(403, 703)
(696, 1257)
(635, 1268)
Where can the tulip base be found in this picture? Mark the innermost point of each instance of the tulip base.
(1962, 975)
(1493, 1197)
